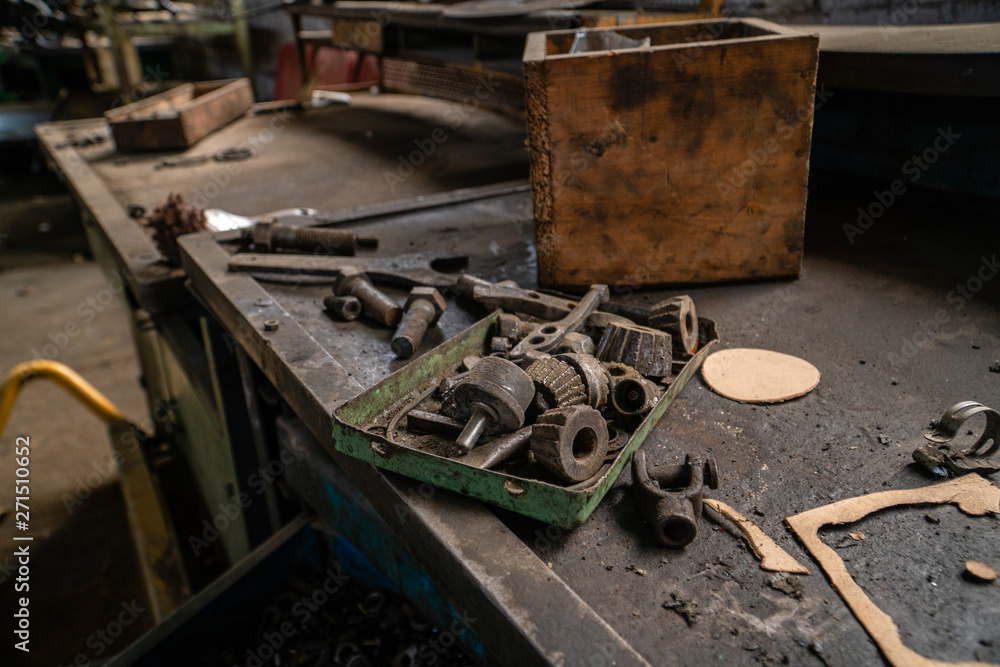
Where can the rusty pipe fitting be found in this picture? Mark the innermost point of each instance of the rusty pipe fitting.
(423, 309)
(269, 235)
(669, 498)
(378, 306)
(347, 308)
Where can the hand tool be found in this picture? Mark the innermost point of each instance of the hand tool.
(401, 271)
(270, 235)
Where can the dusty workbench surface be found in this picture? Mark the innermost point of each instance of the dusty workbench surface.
(902, 319)
(863, 313)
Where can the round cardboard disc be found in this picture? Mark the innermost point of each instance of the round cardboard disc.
(758, 376)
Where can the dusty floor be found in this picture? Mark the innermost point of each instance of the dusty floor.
(55, 302)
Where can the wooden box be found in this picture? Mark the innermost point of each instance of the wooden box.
(679, 159)
(178, 118)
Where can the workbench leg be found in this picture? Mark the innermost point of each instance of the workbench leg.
(300, 48)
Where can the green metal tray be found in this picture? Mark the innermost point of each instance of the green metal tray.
(360, 425)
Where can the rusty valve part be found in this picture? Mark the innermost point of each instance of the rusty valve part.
(669, 498)
(347, 308)
(495, 393)
(550, 335)
(644, 349)
(571, 442)
(678, 317)
(596, 379)
(376, 305)
(942, 457)
(269, 236)
(498, 450)
(557, 384)
(634, 396)
(423, 309)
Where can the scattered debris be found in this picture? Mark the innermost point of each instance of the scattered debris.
(884, 440)
(972, 494)
(942, 458)
(171, 219)
(995, 366)
(979, 571)
(856, 536)
(772, 557)
(633, 568)
(788, 585)
(931, 519)
(683, 605)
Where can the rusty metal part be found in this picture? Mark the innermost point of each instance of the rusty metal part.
(171, 219)
(404, 271)
(570, 442)
(422, 421)
(557, 384)
(500, 345)
(347, 308)
(576, 343)
(498, 450)
(550, 335)
(617, 439)
(633, 396)
(511, 297)
(619, 371)
(270, 235)
(424, 307)
(678, 317)
(495, 394)
(595, 377)
(942, 458)
(511, 327)
(669, 498)
(379, 307)
(647, 350)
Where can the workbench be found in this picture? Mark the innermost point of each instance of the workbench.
(863, 312)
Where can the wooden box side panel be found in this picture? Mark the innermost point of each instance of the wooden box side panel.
(688, 165)
(213, 110)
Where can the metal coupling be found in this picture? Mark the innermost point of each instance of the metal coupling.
(269, 235)
(378, 306)
(423, 309)
(347, 308)
(669, 498)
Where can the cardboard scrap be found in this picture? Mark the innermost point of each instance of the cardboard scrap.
(772, 557)
(973, 494)
(980, 571)
(759, 376)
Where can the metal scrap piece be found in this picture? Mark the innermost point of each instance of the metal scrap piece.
(669, 498)
(942, 458)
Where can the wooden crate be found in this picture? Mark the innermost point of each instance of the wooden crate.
(682, 161)
(178, 118)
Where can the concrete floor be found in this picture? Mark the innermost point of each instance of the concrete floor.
(83, 565)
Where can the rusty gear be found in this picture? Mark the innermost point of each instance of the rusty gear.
(571, 442)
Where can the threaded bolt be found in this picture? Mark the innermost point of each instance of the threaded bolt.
(375, 304)
(347, 308)
(424, 307)
(270, 235)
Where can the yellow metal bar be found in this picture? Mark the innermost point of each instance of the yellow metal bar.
(62, 375)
